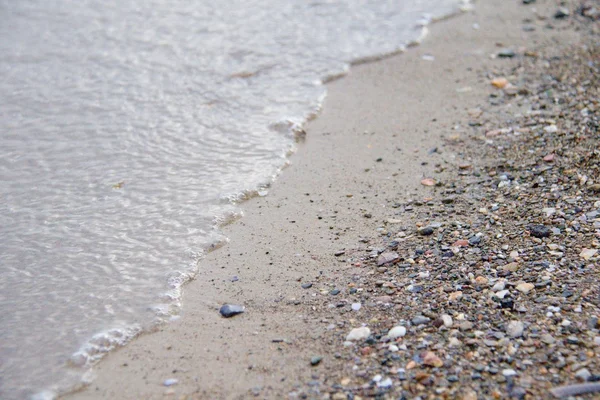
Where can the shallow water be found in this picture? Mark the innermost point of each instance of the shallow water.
(127, 130)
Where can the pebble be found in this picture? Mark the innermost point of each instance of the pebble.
(525, 287)
(420, 320)
(396, 332)
(509, 372)
(432, 360)
(358, 334)
(506, 53)
(316, 360)
(539, 231)
(170, 382)
(561, 13)
(230, 310)
(356, 306)
(385, 383)
(547, 338)
(498, 286)
(386, 258)
(586, 254)
(515, 329)
(307, 285)
(447, 320)
(426, 231)
(583, 374)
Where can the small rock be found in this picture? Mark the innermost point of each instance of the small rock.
(170, 382)
(385, 383)
(515, 329)
(528, 1)
(230, 310)
(551, 129)
(358, 334)
(506, 53)
(586, 254)
(539, 231)
(386, 258)
(339, 253)
(561, 13)
(396, 332)
(432, 360)
(334, 292)
(447, 320)
(307, 285)
(500, 83)
(509, 372)
(583, 374)
(420, 320)
(455, 296)
(525, 287)
(547, 338)
(356, 306)
(426, 231)
(549, 158)
(498, 286)
(428, 182)
(316, 360)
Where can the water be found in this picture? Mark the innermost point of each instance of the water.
(128, 131)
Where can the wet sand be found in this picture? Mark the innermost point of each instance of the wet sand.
(369, 149)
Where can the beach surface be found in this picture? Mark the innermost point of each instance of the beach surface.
(303, 256)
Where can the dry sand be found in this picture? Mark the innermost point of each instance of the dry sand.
(366, 149)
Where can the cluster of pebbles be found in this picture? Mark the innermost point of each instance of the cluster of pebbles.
(490, 287)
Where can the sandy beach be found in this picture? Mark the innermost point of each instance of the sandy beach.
(393, 214)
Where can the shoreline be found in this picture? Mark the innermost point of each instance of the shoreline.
(339, 191)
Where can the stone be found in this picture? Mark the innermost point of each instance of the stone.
(539, 231)
(316, 360)
(455, 296)
(515, 329)
(356, 334)
(420, 320)
(506, 53)
(498, 286)
(307, 285)
(447, 320)
(230, 310)
(509, 372)
(586, 254)
(385, 383)
(562, 13)
(500, 83)
(583, 374)
(396, 332)
(428, 182)
(432, 360)
(525, 287)
(426, 231)
(547, 338)
(356, 306)
(170, 382)
(386, 258)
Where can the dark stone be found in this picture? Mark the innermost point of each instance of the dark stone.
(507, 302)
(539, 231)
(506, 53)
(528, 1)
(230, 310)
(307, 285)
(561, 13)
(316, 360)
(426, 231)
(474, 240)
(335, 292)
(339, 253)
